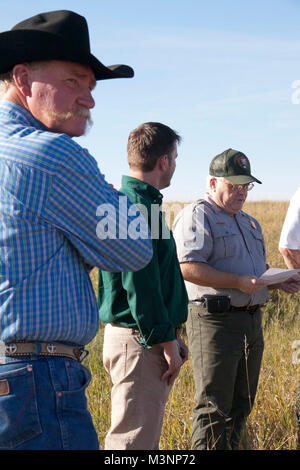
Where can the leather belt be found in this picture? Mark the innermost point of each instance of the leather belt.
(44, 349)
(117, 325)
(247, 308)
(178, 330)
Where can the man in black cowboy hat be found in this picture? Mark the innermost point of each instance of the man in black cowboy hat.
(51, 194)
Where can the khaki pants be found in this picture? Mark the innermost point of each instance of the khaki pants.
(138, 395)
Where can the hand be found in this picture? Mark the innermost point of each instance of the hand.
(174, 360)
(250, 284)
(183, 350)
(290, 286)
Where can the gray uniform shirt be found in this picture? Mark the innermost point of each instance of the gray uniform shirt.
(205, 233)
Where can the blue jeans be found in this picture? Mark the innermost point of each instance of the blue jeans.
(43, 404)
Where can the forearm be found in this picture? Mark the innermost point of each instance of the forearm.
(89, 213)
(291, 257)
(204, 275)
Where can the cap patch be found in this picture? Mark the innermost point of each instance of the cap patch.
(242, 161)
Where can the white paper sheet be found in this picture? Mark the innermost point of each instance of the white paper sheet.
(274, 275)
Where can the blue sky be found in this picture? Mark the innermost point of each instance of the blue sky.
(220, 73)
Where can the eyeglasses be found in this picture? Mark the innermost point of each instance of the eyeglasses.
(240, 187)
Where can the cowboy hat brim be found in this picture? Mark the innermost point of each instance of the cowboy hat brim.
(21, 45)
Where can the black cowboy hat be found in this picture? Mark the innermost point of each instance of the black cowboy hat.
(54, 35)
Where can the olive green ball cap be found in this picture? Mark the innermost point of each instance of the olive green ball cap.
(234, 166)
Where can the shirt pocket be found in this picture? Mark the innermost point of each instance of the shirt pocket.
(258, 242)
(225, 243)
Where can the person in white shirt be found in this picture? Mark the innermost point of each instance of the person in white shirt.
(289, 244)
(290, 235)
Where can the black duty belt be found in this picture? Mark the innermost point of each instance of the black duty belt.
(247, 308)
(221, 303)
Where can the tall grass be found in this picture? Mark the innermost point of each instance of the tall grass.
(271, 425)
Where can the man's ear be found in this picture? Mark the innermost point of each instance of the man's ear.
(22, 78)
(212, 184)
(163, 162)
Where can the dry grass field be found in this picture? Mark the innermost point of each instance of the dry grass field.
(271, 425)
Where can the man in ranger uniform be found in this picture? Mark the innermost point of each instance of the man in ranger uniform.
(222, 255)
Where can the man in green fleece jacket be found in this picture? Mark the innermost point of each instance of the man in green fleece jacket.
(144, 311)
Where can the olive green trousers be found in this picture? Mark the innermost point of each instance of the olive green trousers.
(226, 350)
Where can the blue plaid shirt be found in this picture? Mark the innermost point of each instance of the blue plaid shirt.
(50, 192)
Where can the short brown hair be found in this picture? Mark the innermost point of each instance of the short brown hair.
(148, 142)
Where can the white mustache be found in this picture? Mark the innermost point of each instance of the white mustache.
(61, 117)
(84, 112)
